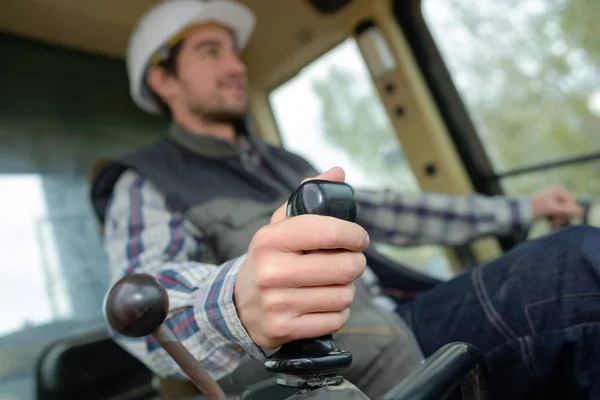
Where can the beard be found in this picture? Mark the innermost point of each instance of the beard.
(223, 116)
(220, 113)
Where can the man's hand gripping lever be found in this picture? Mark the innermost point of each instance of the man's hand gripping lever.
(315, 363)
(137, 306)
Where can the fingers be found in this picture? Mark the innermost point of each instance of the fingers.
(563, 195)
(556, 202)
(569, 210)
(335, 174)
(324, 268)
(318, 324)
(564, 207)
(312, 232)
(309, 300)
(569, 201)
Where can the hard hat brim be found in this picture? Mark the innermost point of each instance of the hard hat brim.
(230, 14)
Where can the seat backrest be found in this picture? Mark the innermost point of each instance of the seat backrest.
(96, 167)
(93, 172)
(91, 366)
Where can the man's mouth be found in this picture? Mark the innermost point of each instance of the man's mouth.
(234, 85)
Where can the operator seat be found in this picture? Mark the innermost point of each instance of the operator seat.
(92, 367)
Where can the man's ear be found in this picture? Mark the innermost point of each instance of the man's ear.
(161, 82)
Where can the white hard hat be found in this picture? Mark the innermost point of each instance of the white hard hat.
(166, 21)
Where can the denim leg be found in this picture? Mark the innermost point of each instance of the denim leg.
(534, 312)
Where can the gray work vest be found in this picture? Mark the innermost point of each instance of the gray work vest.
(228, 200)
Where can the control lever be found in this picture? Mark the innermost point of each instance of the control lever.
(313, 363)
(136, 306)
(585, 202)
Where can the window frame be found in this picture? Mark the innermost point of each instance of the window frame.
(453, 111)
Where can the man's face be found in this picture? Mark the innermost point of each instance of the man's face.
(211, 79)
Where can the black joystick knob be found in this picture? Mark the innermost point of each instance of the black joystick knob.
(334, 199)
(308, 363)
(136, 306)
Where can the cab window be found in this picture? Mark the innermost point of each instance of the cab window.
(330, 113)
(528, 72)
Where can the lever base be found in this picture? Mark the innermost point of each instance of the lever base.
(307, 357)
(309, 363)
(309, 382)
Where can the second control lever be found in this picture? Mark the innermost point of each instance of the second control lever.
(137, 306)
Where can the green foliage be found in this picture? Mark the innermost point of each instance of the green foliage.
(354, 120)
(579, 22)
(537, 107)
(525, 69)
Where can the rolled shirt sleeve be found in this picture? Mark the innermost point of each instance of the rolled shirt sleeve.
(408, 219)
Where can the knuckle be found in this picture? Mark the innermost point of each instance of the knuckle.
(347, 297)
(274, 302)
(262, 237)
(278, 329)
(353, 267)
(267, 277)
(340, 320)
(256, 255)
(361, 264)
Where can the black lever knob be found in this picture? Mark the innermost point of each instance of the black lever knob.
(319, 356)
(136, 305)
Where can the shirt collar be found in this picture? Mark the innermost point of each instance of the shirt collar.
(209, 145)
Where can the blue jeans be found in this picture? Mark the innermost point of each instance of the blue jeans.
(534, 312)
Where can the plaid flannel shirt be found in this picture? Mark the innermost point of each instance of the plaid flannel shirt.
(143, 235)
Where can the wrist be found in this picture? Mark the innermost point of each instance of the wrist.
(236, 310)
(525, 212)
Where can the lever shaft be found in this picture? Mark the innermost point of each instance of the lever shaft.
(188, 364)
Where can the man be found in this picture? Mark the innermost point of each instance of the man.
(202, 211)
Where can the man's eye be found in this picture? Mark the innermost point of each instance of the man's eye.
(212, 52)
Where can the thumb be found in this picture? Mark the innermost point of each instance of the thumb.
(335, 174)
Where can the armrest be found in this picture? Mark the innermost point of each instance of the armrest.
(452, 364)
(397, 276)
(90, 366)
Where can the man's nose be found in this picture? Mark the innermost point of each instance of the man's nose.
(236, 65)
